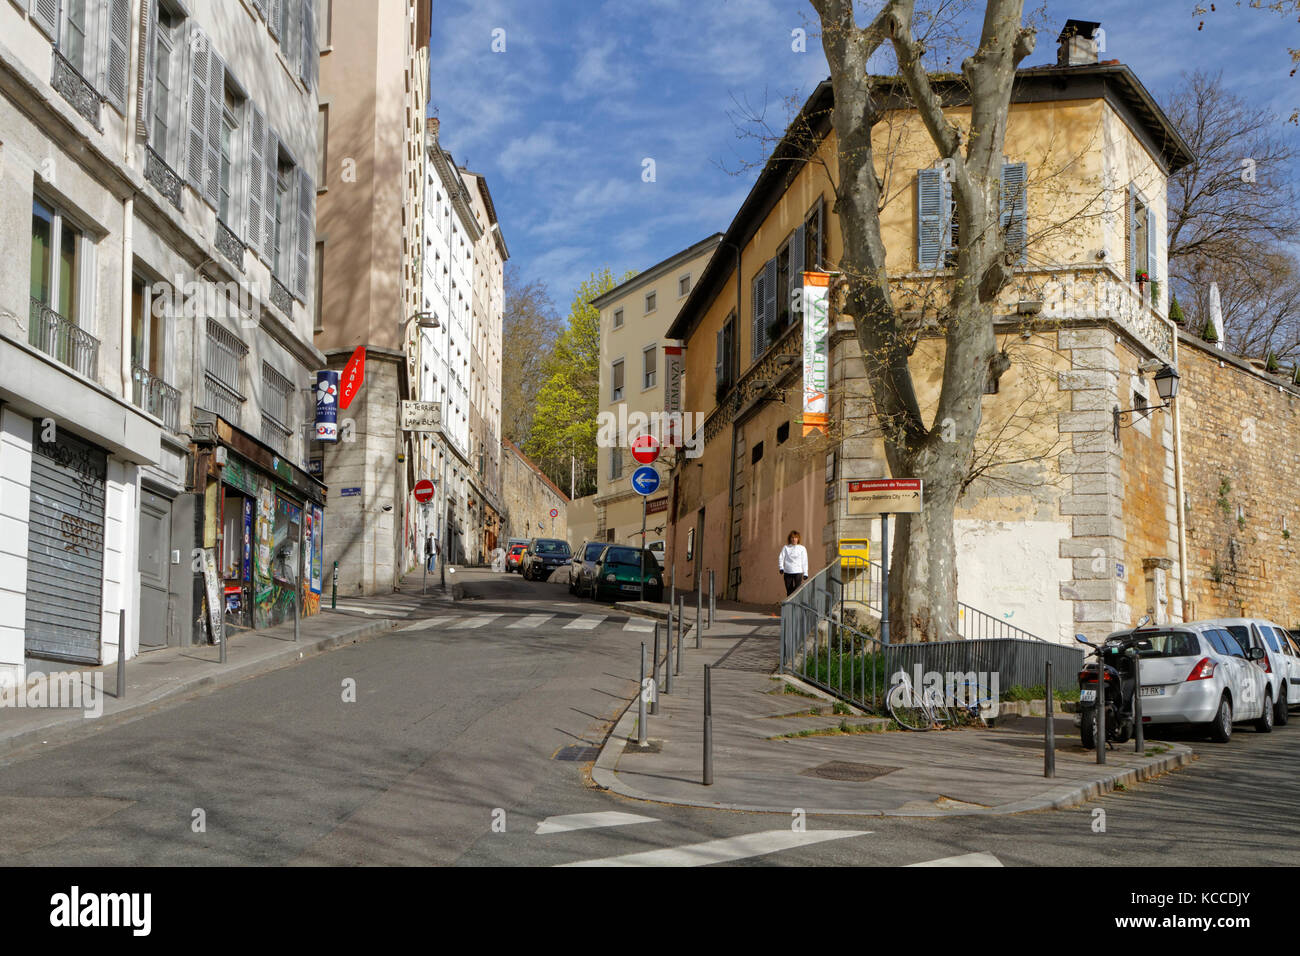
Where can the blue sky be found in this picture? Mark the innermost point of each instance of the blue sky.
(562, 121)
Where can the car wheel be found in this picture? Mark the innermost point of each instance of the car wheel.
(1280, 713)
(1265, 723)
(1221, 728)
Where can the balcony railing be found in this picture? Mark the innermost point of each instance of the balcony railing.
(155, 396)
(61, 339)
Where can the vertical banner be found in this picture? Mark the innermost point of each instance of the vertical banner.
(674, 368)
(816, 327)
(327, 405)
(354, 373)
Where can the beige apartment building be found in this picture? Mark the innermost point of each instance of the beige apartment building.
(640, 373)
(374, 68)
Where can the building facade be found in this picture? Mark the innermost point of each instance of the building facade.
(374, 95)
(158, 200)
(640, 374)
(532, 505)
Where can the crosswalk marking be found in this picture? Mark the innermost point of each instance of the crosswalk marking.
(636, 624)
(531, 621)
(425, 622)
(724, 851)
(590, 821)
(966, 859)
(584, 623)
(477, 621)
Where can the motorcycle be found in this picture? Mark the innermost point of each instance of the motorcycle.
(1118, 656)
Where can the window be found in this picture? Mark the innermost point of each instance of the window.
(938, 231)
(782, 317)
(148, 329)
(649, 302)
(228, 207)
(684, 285)
(74, 32)
(648, 363)
(756, 454)
(812, 233)
(57, 251)
(166, 59)
(782, 433)
(725, 361)
(615, 464)
(277, 409)
(322, 143)
(320, 286)
(618, 318)
(324, 23)
(283, 219)
(616, 381)
(224, 372)
(1141, 238)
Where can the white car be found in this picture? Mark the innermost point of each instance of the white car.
(1197, 673)
(1253, 632)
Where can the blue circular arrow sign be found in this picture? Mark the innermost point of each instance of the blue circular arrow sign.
(645, 480)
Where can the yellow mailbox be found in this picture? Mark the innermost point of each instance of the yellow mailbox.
(855, 553)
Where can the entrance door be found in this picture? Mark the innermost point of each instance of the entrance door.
(155, 569)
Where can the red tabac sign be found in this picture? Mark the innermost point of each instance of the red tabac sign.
(354, 373)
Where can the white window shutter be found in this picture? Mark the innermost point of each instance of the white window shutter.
(930, 213)
(260, 7)
(197, 119)
(146, 69)
(1131, 220)
(216, 110)
(307, 64)
(1152, 245)
(275, 9)
(118, 59)
(255, 180)
(270, 192)
(1014, 212)
(45, 14)
(303, 236)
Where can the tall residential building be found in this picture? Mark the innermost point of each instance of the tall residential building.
(637, 359)
(487, 316)
(157, 171)
(374, 92)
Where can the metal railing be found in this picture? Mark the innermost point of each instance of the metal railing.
(826, 644)
(62, 339)
(155, 396)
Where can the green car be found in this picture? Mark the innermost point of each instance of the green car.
(621, 570)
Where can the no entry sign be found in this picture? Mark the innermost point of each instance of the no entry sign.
(423, 491)
(645, 449)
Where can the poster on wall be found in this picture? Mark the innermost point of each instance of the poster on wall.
(674, 369)
(247, 570)
(213, 592)
(816, 325)
(317, 548)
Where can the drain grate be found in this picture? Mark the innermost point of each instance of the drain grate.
(845, 770)
(577, 754)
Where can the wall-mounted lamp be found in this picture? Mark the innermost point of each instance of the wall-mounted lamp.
(1166, 388)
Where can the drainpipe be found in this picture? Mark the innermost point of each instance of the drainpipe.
(731, 465)
(1178, 492)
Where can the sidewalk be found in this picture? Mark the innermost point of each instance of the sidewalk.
(890, 773)
(157, 678)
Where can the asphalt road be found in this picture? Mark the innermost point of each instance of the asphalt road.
(447, 756)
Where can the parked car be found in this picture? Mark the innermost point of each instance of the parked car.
(657, 549)
(1254, 632)
(515, 557)
(1198, 673)
(1291, 650)
(621, 570)
(543, 556)
(582, 569)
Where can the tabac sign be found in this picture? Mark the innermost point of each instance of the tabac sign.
(816, 325)
(884, 496)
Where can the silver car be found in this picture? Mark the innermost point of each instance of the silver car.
(1197, 673)
(1252, 632)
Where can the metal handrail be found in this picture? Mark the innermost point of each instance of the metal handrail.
(62, 339)
(156, 397)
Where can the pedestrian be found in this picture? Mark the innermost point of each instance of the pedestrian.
(794, 563)
(431, 553)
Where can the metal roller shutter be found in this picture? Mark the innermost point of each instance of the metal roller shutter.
(65, 563)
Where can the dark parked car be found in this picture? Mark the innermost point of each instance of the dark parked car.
(582, 569)
(543, 556)
(621, 571)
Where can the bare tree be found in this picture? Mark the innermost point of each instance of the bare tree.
(923, 594)
(529, 329)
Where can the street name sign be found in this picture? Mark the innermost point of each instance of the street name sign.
(875, 496)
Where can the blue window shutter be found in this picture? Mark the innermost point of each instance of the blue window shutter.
(1015, 210)
(770, 308)
(1151, 244)
(930, 210)
(758, 326)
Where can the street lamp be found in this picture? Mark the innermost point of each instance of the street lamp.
(1166, 387)
(426, 320)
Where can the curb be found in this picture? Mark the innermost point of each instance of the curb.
(75, 727)
(1060, 798)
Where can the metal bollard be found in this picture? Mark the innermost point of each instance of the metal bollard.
(681, 631)
(654, 675)
(334, 589)
(672, 590)
(640, 696)
(699, 601)
(712, 603)
(708, 725)
(297, 578)
(1049, 753)
(121, 654)
(668, 657)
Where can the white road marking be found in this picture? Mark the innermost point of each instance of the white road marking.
(724, 851)
(636, 624)
(477, 621)
(590, 821)
(584, 623)
(966, 859)
(532, 620)
(425, 622)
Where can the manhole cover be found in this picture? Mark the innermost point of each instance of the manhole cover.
(845, 770)
(577, 753)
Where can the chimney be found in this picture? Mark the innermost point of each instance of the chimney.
(1080, 42)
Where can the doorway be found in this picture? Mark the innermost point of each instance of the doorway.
(155, 570)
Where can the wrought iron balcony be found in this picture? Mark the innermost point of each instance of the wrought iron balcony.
(61, 339)
(155, 396)
(76, 89)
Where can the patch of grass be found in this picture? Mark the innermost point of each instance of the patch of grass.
(1039, 692)
(841, 708)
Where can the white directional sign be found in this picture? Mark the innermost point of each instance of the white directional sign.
(891, 496)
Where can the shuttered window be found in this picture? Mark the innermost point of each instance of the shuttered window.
(45, 15)
(255, 185)
(309, 56)
(304, 238)
(938, 227)
(207, 101)
(277, 409)
(223, 372)
(119, 53)
(616, 381)
(724, 366)
(1014, 212)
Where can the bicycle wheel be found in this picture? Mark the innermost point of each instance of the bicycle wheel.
(938, 708)
(908, 711)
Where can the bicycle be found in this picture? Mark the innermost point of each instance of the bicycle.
(970, 704)
(913, 711)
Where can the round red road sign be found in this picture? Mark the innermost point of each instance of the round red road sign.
(645, 449)
(423, 490)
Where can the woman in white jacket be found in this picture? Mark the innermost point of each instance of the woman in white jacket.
(794, 563)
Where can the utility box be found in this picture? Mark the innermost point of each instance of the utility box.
(855, 553)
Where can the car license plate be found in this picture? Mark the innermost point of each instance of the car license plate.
(1087, 696)
(1153, 692)
(631, 587)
